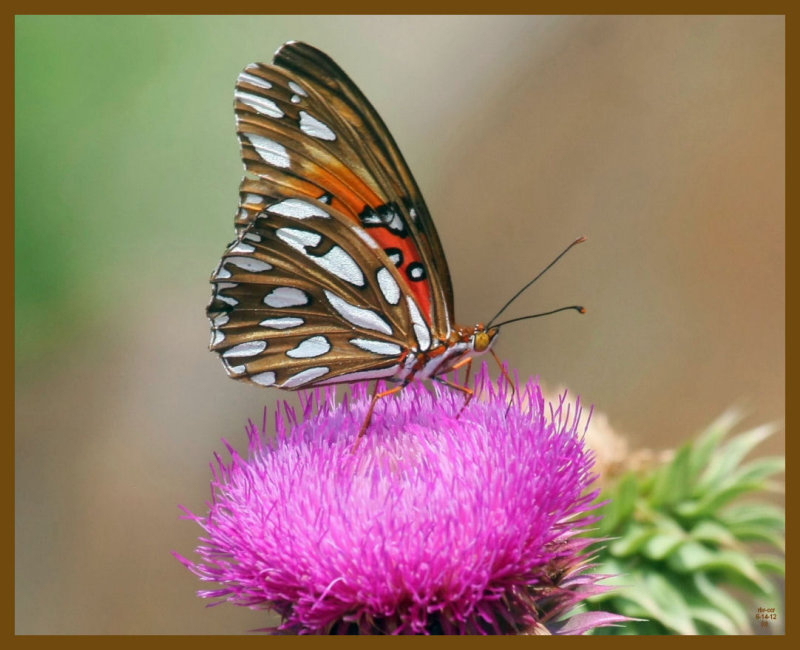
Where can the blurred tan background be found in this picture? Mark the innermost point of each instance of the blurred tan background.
(659, 138)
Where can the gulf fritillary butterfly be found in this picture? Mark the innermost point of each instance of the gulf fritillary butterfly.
(336, 273)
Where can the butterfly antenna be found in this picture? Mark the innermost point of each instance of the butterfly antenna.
(541, 273)
(578, 308)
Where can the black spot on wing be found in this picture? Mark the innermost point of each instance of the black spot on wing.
(416, 272)
(396, 255)
(384, 216)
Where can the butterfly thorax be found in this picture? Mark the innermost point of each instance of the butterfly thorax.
(463, 343)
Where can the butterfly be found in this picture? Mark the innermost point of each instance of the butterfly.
(336, 273)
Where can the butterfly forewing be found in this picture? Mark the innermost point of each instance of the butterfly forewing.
(337, 269)
(343, 147)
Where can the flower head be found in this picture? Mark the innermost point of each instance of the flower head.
(440, 522)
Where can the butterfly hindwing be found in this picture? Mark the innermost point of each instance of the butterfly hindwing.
(303, 297)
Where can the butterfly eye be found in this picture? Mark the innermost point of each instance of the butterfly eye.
(482, 341)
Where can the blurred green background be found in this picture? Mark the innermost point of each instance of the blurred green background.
(659, 138)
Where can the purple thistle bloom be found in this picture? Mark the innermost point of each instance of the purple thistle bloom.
(439, 523)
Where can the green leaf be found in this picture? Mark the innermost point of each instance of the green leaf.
(667, 536)
(723, 601)
(715, 619)
(633, 608)
(691, 557)
(765, 592)
(661, 545)
(710, 439)
(759, 514)
(756, 522)
(663, 602)
(711, 532)
(632, 541)
(619, 510)
(727, 458)
(760, 469)
(735, 565)
(759, 534)
(715, 498)
(771, 564)
(672, 480)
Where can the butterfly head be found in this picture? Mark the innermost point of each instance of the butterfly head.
(479, 338)
(483, 337)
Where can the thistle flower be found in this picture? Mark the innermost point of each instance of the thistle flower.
(439, 523)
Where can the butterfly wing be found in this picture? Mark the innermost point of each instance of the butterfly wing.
(307, 131)
(337, 271)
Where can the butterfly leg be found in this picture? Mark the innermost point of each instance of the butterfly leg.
(468, 391)
(375, 397)
(464, 389)
(504, 372)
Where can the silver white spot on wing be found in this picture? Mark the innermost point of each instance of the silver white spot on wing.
(220, 320)
(248, 264)
(217, 337)
(367, 238)
(387, 217)
(254, 80)
(299, 239)
(297, 89)
(297, 209)
(262, 105)
(249, 349)
(336, 261)
(271, 152)
(339, 262)
(227, 299)
(378, 347)
(252, 237)
(310, 125)
(309, 348)
(253, 200)
(222, 273)
(263, 378)
(281, 323)
(286, 297)
(241, 247)
(305, 376)
(233, 370)
(388, 286)
(421, 330)
(358, 316)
